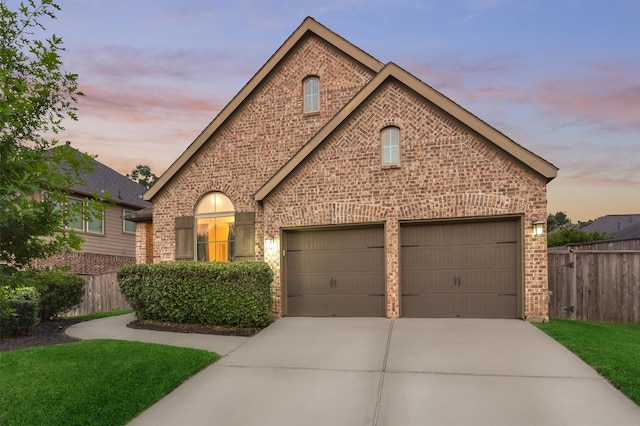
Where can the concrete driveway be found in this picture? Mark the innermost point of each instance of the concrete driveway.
(376, 371)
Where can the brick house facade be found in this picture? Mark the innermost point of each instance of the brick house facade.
(311, 191)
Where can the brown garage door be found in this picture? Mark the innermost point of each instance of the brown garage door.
(460, 269)
(336, 272)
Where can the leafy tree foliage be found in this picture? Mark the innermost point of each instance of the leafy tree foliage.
(557, 220)
(572, 235)
(37, 95)
(142, 174)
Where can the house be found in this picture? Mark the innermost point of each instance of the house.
(367, 191)
(616, 226)
(109, 242)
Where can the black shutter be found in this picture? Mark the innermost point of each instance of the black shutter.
(245, 238)
(184, 238)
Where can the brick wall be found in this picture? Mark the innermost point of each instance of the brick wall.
(144, 242)
(86, 263)
(446, 171)
(259, 138)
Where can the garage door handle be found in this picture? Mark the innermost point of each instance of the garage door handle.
(456, 280)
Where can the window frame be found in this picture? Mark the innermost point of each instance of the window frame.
(390, 145)
(125, 212)
(220, 218)
(311, 99)
(85, 223)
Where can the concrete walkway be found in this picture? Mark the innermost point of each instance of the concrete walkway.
(381, 372)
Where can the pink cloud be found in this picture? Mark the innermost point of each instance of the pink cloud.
(604, 92)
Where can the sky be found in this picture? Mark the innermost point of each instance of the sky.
(559, 77)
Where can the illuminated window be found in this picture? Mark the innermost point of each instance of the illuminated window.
(312, 94)
(390, 146)
(215, 228)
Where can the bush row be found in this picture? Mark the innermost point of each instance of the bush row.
(44, 294)
(234, 293)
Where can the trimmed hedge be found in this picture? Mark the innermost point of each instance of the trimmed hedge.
(19, 316)
(234, 293)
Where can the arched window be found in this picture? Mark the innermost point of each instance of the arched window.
(390, 146)
(311, 94)
(215, 228)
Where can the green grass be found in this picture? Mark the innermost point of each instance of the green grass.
(613, 350)
(92, 382)
(98, 315)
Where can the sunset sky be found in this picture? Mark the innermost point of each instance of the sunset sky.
(561, 78)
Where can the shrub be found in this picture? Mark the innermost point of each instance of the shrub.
(20, 314)
(235, 293)
(59, 292)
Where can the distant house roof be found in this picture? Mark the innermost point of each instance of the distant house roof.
(102, 179)
(618, 226)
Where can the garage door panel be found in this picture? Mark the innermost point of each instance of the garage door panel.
(437, 305)
(460, 269)
(335, 272)
(486, 306)
(347, 305)
(319, 283)
(310, 305)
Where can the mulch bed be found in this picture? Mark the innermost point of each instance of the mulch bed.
(44, 334)
(194, 328)
(52, 332)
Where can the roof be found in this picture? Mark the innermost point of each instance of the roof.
(103, 179)
(309, 25)
(384, 72)
(618, 226)
(392, 71)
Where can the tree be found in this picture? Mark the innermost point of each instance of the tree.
(557, 220)
(37, 95)
(142, 174)
(573, 235)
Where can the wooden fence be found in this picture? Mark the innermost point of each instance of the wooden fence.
(101, 294)
(595, 285)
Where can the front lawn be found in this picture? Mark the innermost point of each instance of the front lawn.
(91, 382)
(613, 350)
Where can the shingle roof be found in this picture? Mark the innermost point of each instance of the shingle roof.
(103, 178)
(618, 226)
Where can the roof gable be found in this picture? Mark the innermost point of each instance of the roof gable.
(391, 70)
(309, 25)
(101, 179)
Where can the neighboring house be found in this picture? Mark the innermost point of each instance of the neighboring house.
(110, 241)
(616, 226)
(367, 191)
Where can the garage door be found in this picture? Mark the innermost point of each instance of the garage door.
(460, 269)
(337, 272)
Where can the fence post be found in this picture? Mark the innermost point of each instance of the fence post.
(572, 286)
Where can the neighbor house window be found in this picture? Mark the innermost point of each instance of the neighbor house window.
(215, 228)
(128, 226)
(76, 221)
(390, 146)
(312, 94)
